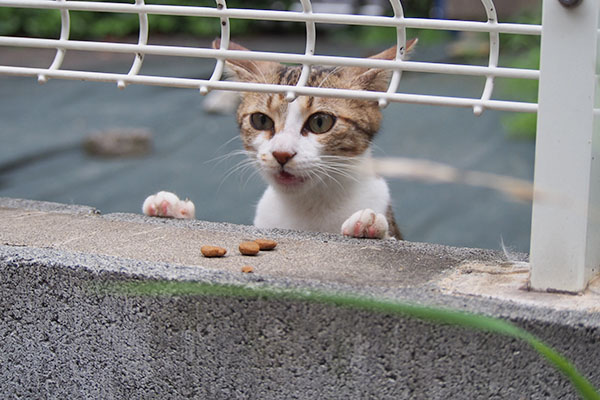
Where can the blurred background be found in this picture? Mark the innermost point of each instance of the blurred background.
(54, 136)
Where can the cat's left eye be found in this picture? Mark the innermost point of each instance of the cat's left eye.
(319, 123)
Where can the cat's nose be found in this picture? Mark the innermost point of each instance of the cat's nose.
(283, 157)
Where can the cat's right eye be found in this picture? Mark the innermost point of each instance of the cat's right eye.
(261, 122)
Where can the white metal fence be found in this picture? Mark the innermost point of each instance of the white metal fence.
(565, 246)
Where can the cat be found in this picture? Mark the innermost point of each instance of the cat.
(314, 152)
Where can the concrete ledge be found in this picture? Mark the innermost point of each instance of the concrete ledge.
(62, 339)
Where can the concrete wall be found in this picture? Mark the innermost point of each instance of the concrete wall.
(62, 338)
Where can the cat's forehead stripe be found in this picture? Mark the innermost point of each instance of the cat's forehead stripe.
(289, 75)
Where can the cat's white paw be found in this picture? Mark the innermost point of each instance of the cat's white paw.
(168, 205)
(366, 224)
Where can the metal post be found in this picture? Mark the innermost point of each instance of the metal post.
(565, 235)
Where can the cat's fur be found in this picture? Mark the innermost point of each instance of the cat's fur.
(317, 181)
(314, 152)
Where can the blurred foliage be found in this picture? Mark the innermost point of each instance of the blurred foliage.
(94, 25)
(523, 125)
(417, 8)
(524, 51)
(31, 22)
(523, 42)
(375, 35)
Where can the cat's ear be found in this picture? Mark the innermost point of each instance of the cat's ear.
(246, 70)
(377, 79)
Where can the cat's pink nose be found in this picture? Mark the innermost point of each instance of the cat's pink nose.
(283, 157)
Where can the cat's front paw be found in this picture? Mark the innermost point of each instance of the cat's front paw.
(168, 205)
(366, 224)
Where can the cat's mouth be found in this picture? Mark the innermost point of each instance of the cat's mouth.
(285, 178)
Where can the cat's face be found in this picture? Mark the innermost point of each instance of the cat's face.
(307, 141)
(311, 140)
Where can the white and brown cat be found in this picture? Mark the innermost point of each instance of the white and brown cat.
(314, 152)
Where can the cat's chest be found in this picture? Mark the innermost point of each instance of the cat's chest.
(276, 210)
(324, 211)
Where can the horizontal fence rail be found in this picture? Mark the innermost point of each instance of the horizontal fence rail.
(307, 60)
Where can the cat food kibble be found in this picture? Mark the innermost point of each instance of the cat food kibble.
(266, 244)
(212, 251)
(247, 269)
(249, 248)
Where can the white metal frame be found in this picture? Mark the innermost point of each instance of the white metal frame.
(565, 236)
(221, 11)
(565, 252)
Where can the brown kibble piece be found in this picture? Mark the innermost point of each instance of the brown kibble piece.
(247, 269)
(249, 248)
(212, 251)
(266, 244)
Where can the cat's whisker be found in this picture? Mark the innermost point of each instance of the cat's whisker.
(252, 174)
(337, 182)
(230, 172)
(328, 75)
(345, 170)
(259, 69)
(350, 166)
(227, 156)
(253, 168)
(245, 166)
(378, 148)
(340, 160)
(326, 172)
(313, 174)
(341, 175)
(240, 166)
(236, 137)
(342, 166)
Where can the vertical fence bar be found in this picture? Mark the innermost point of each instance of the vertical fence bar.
(142, 41)
(311, 35)
(224, 44)
(490, 11)
(565, 234)
(65, 30)
(400, 49)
